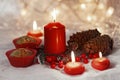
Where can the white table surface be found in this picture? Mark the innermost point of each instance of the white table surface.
(43, 72)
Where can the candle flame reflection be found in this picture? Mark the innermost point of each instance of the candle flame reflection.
(34, 26)
(73, 56)
(100, 54)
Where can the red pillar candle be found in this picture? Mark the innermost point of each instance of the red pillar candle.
(101, 63)
(74, 68)
(35, 32)
(54, 38)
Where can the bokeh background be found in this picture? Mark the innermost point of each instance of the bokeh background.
(17, 16)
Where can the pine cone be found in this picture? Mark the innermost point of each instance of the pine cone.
(101, 43)
(77, 40)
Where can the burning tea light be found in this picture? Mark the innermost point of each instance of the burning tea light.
(100, 63)
(36, 32)
(74, 68)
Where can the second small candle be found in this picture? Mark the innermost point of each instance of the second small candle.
(100, 63)
(36, 32)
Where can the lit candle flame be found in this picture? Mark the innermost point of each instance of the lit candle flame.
(54, 14)
(73, 56)
(34, 26)
(100, 54)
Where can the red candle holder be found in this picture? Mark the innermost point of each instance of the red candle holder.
(100, 63)
(35, 34)
(54, 38)
(74, 68)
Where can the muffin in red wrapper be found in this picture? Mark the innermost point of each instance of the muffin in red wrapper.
(27, 42)
(21, 57)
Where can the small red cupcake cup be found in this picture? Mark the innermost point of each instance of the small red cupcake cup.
(21, 61)
(28, 45)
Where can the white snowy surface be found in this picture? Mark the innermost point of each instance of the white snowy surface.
(12, 26)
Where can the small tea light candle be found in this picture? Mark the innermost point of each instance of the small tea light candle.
(100, 63)
(36, 31)
(74, 68)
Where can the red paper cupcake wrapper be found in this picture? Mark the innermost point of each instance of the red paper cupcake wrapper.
(21, 61)
(28, 45)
